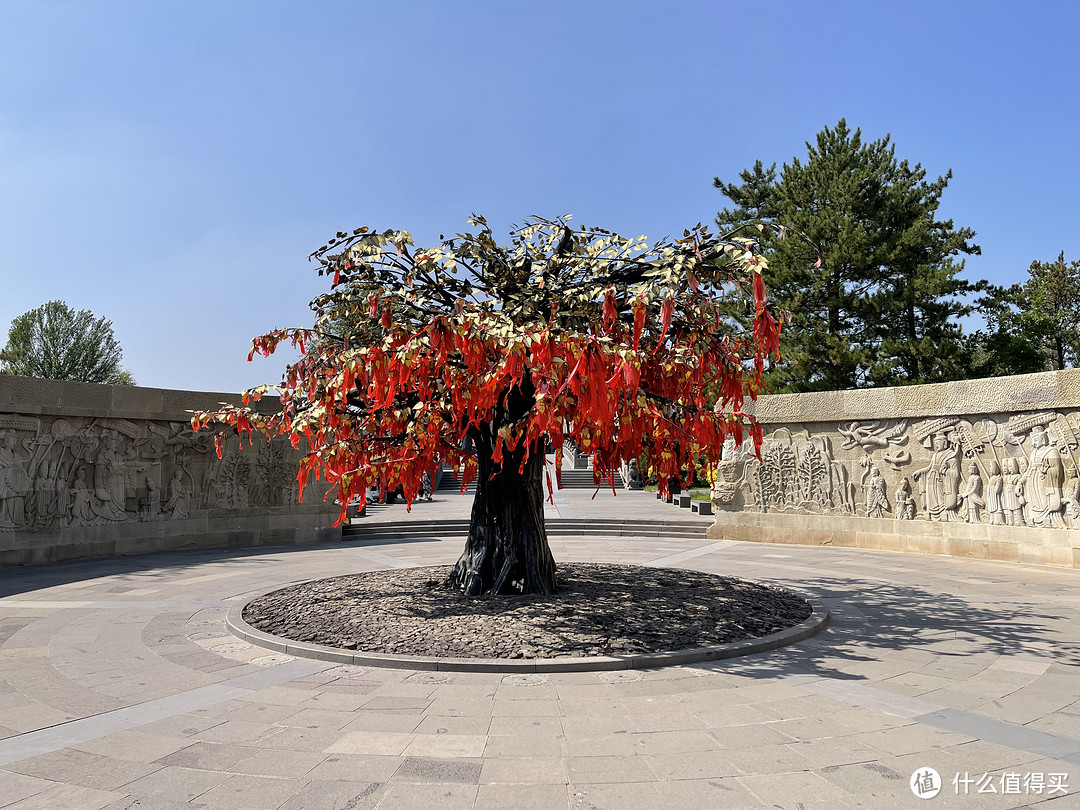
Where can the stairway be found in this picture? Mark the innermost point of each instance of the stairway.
(556, 527)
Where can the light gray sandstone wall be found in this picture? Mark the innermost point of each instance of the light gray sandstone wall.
(976, 468)
(98, 470)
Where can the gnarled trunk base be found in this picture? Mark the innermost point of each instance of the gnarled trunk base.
(507, 551)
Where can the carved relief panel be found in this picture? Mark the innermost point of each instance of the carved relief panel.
(58, 472)
(1013, 469)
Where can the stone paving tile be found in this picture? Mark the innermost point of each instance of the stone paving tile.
(182, 725)
(428, 769)
(138, 746)
(446, 745)
(909, 739)
(462, 725)
(742, 737)
(355, 768)
(16, 786)
(175, 783)
(318, 719)
(402, 722)
(76, 767)
(692, 765)
(608, 769)
(537, 744)
(246, 792)
(277, 763)
(351, 795)
(67, 796)
(722, 792)
(523, 797)
(208, 756)
(446, 796)
(621, 796)
(787, 789)
(523, 770)
(383, 743)
(301, 739)
(240, 732)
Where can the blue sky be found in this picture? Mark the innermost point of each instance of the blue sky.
(170, 165)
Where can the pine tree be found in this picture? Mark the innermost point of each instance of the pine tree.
(877, 305)
(1034, 326)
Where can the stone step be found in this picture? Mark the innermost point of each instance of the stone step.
(559, 527)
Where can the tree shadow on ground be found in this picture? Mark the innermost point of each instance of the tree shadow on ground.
(871, 619)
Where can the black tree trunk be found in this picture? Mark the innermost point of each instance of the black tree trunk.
(507, 551)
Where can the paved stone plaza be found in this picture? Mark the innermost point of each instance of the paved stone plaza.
(120, 688)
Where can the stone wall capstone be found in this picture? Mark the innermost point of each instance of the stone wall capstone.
(96, 470)
(981, 468)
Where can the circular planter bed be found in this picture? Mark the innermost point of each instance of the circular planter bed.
(614, 616)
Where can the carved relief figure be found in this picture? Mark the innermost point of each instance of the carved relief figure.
(1043, 481)
(151, 505)
(971, 497)
(82, 509)
(1071, 499)
(110, 481)
(179, 501)
(1012, 497)
(994, 493)
(876, 501)
(905, 504)
(14, 483)
(941, 480)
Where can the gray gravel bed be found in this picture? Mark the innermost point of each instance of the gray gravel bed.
(600, 609)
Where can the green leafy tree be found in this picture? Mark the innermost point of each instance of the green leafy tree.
(58, 343)
(1034, 326)
(877, 303)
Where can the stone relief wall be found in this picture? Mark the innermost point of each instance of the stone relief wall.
(1017, 469)
(83, 467)
(79, 471)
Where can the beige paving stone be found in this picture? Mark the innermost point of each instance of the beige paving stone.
(458, 725)
(446, 745)
(33, 716)
(318, 719)
(539, 744)
(351, 795)
(17, 786)
(608, 769)
(301, 739)
(785, 789)
(912, 739)
(741, 737)
(356, 768)
(67, 796)
(523, 797)
(208, 756)
(409, 796)
(240, 732)
(720, 792)
(137, 746)
(621, 796)
(523, 770)
(278, 764)
(692, 765)
(175, 783)
(402, 722)
(72, 766)
(385, 743)
(245, 792)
